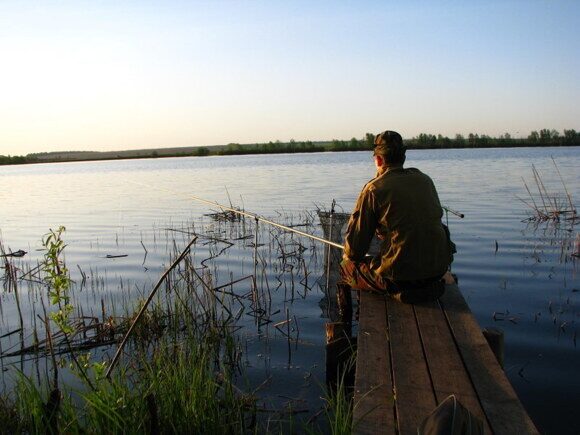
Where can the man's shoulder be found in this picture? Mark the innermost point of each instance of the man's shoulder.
(395, 174)
(370, 186)
(414, 171)
(393, 179)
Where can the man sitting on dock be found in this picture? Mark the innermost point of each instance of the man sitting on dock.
(402, 209)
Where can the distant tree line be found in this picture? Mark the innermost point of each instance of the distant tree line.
(544, 137)
(270, 148)
(16, 160)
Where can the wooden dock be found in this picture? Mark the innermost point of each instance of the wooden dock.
(411, 357)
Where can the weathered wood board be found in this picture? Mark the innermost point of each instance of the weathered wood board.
(411, 357)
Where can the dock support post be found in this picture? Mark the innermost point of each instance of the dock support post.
(340, 347)
(344, 302)
(495, 339)
(339, 341)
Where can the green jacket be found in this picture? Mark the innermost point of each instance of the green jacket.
(402, 207)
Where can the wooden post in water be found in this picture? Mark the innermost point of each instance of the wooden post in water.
(495, 339)
(344, 302)
(340, 347)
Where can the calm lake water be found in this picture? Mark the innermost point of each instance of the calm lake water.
(514, 275)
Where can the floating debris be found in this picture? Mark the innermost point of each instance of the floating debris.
(225, 216)
(17, 254)
(521, 370)
(498, 316)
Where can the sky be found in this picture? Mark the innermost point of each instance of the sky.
(118, 75)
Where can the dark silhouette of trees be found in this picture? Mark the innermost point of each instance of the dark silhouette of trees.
(370, 139)
(571, 137)
(202, 152)
(15, 160)
(543, 137)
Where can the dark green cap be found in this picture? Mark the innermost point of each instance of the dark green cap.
(388, 140)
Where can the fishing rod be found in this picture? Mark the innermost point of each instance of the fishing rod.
(247, 214)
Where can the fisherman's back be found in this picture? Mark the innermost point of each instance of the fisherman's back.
(414, 243)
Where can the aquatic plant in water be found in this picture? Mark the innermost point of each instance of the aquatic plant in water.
(546, 205)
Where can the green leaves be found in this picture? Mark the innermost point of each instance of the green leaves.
(57, 278)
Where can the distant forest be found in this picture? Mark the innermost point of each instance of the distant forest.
(544, 137)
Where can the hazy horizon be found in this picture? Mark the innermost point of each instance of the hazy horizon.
(85, 76)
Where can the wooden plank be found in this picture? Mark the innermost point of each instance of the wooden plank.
(448, 374)
(500, 403)
(414, 397)
(373, 398)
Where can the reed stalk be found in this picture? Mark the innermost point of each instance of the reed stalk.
(551, 208)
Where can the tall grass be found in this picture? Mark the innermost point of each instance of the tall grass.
(339, 409)
(175, 391)
(546, 205)
(338, 405)
(180, 370)
(179, 390)
(167, 387)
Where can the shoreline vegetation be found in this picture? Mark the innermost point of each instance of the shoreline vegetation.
(184, 367)
(541, 138)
